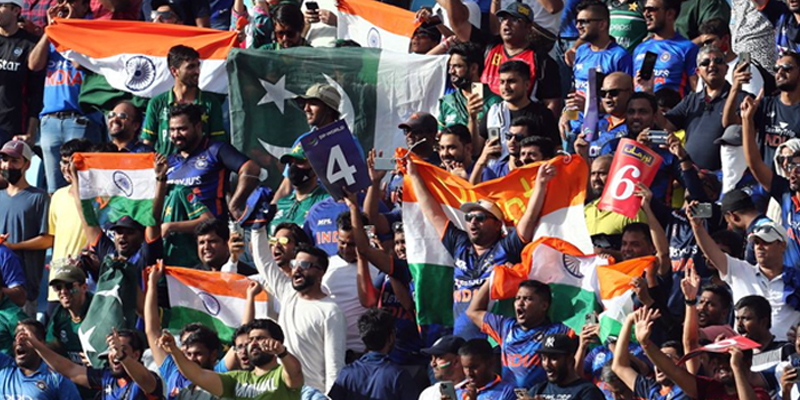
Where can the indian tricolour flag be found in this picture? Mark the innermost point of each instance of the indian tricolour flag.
(133, 55)
(215, 299)
(374, 24)
(113, 185)
(430, 263)
(580, 283)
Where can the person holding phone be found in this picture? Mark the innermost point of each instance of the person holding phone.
(446, 365)
(788, 373)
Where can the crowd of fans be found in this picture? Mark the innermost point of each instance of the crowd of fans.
(721, 78)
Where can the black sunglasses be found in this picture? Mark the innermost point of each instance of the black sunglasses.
(785, 67)
(612, 92)
(477, 217)
(717, 60)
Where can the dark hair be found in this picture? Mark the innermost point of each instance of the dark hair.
(673, 344)
(520, 67)
(136, 341)
(193, 111)
(639, 227)
(213, 225)
(180, 54)
(715, 26)
(530, 122)
(343, 221)
(316, 252)
(376, 327)
(594, 6)
(241, 330)
(665, 98)
(471, 52)
(674, 5)
(460, 131)
(759, 305)
(290, 15)
(733, 240)
(721, 292)
(793, 54)
(646, 96)
(74, 146)
(545, 145)
(105, 147)
(477, 348)
(201, 334)
(540, 289)
(155, 4)
(346, 43)
(36, 326)
(138, 115)
(268, 325)
(295, 231)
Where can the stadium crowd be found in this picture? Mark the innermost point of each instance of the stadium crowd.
(710, 86)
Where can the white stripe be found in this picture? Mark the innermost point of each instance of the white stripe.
(135, 184)
(568, 224)
(423, 244)
(227, 309)
(367, 34)
(156, 79)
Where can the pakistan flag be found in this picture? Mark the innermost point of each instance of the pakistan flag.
(379, 90)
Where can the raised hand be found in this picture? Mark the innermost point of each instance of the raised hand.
(253, 289)
(167, 342)
(546, 173)
(690, 284)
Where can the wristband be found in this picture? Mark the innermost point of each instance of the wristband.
(161, 178)
(692, 302)
(284, 353)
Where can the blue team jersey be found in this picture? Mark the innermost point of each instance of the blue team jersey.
(498, 389)
(607, 132)
(521, 364)
(112, 388)
(472, 271)
(677, 61)
(320, 223)
(408, 342)
(647, 388)
(790, 218)
(44, 384)
(611, 59)
(205, 172)
(175, 380)
(600, 356)
(11, 272)
(786, 26)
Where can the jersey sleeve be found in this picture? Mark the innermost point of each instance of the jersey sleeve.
(167, 368)
(495, 326)
(643, 387)
(201, 8)
(11, 269)
(94, 377)
(513, 245)
(150, 127)
(690, 61)
(231, 158)
(191, 203)
(453, 237)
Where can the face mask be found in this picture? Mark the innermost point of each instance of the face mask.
(298, 176)
(11, 175)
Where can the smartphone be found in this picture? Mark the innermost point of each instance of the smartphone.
(312, 6)
(701, 210)
(794, 362)
(234, 227)
(494, 133)
(649, 63)
(447, 388)
(657, 137)
(384, 164)
(477, 87)
(744, 58)
(520, 392)
(370, 229)
(591, 318)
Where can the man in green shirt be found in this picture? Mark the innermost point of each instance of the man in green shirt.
(695, 12)
(306, 190)
(183, 213)
(267, 381)
(627, 24)
(69, 283)
(184, 65)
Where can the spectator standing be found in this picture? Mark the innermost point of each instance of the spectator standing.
(305, 190)
(696, 12)
(741, 213)
(188, 12)
(753, 321)
(519, 129)
(557, 354)
(614, 94)
(12, 278)
(599, 48)
(784, 18)
(214, 239)
(69, 283)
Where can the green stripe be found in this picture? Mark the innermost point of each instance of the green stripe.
(433, 293)
(177, 317)
(609, 326)
(116, 208)
(571, 304)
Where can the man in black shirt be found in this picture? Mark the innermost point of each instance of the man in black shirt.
(20, 89)
(563, 382)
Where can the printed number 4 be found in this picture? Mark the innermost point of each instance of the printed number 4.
(345, 170)
(619, 181)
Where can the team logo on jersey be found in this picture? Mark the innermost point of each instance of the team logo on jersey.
(63, 335)
(123, 183)
(665, 57)
(538, 336)
(210, 303)
(373, 38)
(141, 73)
(41, 385)
(17, 51)
(201, 163)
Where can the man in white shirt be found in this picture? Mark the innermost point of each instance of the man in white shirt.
(717, 32)
(314, 325)
(446, 365)
(765, 279)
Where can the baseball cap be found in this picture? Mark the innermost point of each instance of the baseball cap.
(322, 92)
(17, 148)
(736, 200)
(558, 343)
(448, 344)
(127, 222)
(517, 9)
(420, 121)
(485, 205)
(769, 232)
(297, 153)
(731, 137)
(68, 273)
(17, 2)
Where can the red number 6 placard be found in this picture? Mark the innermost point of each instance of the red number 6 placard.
(633, 163)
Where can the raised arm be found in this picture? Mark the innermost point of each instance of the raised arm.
(91, 232)
(248, 180)
(490, 151)
(656, 231)
(372, 199)
(480, 303)
(644, 327)
(62, 365)
(760, 170)
(527, 224)
(152, 321)
(741, 372)
(621, 365)
(730, 114)
(706, 243)
(690, 285)
(135, 369)
(459, 18)
(430, 207)
(206, 379)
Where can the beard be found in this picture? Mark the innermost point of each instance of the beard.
(307, 283)
(259, 358)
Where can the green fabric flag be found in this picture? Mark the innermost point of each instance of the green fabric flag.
(10, 314)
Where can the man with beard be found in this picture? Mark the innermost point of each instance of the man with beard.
(676, 62)
(785, 17)
(481, 383)
(729, 372)
(124, 378)
(598, 48)
(519, 129)
(315, 325)
(284, 244)
(563, 383)
(601, 222)
(754, 320)
(305, 190)
(483, 245)
(69, 283)
(455, 150)
(203, 165)
(26, 376)
(645, 387)
(213, 249)
(519, 337)
(184, 66)
(23, 217)
(536, 148)
(267, 380)
(742, 215)
(123, 123)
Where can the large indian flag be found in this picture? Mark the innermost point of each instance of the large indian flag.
(430, 263)
(580, 283)
(215, 299)
(374, 24)
(133, 55)
(113, 185)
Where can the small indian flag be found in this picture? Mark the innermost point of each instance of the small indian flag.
(133, 55)
(215, 299)
(113, 185)
(374, 24)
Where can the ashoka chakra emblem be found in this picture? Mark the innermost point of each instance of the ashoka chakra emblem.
(141, 72)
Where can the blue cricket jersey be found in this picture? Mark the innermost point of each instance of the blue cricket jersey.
(677, 61)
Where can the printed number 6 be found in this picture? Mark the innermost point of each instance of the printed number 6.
(619, 179)
(345, 170)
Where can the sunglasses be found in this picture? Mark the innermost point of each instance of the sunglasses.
(652, 9)
(765, 229)
(785, 67)
(283, 240)
(477, 217)
(511, 136)
(611, 92)
(286, 33)
(791, 167)
(62, 286)
(122, 115)
(587, 21)
(717, 60)
(304, 265)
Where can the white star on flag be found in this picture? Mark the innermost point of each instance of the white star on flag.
(276, 93)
